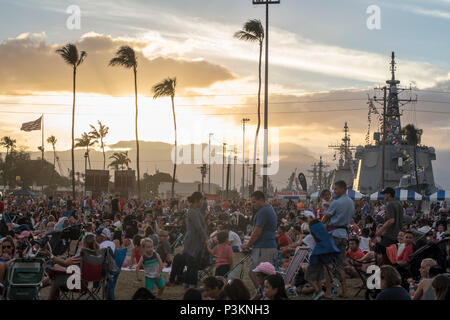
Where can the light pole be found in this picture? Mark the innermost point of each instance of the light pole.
(223, 165)
(244, 120)
(266, 90)
(209, 163)
(234, 169)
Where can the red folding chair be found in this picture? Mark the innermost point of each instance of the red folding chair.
(93, 278)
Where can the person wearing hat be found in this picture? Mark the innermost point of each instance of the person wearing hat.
(393, 218)
(104, 239)
(263, 270)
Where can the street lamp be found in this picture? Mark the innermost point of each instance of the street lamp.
(209, 163)
(266, 90)
(244, 120)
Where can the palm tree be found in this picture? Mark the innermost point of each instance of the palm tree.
(100, 134)
(126, 57)
(413, 137)
(87, 141)
(71, 56)
(253, 31)
(120, 159)
(167, 88)
(9, 144)
(52, 140)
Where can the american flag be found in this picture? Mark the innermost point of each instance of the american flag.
(32, 125)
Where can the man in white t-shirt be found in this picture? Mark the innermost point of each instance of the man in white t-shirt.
(104, 239)
(233, 238)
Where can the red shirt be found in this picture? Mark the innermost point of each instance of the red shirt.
(283, 241)
(404, 256)
(358, 254)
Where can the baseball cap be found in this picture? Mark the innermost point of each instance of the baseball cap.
(266, 268)
(389, 190)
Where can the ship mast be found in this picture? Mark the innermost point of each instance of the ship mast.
(345, 150)
(391, 125)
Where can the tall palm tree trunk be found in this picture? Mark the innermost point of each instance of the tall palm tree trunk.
(176, 150)
(54, 158)
(103, 148)
(5, 173)
(73, 133)
(415, 169)
(137, 139)
(259, 119)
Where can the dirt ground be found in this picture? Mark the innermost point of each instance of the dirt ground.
(127, 285)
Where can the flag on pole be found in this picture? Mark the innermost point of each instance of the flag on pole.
(32, 125)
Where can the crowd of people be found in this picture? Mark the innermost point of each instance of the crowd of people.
(343, 238)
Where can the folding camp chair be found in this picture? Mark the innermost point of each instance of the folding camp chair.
(119, 257)
(24, 279)
(356, 264)
(92, 277)
(300, 256)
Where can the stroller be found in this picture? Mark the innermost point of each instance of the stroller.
(24, 279)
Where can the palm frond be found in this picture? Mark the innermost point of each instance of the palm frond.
(125, 57)
(70, 54)
(252, 31)
(165, 88)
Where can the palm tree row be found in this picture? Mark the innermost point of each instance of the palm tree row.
(125, 57)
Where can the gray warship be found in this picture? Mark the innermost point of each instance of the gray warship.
(397, 168)
(347, 166)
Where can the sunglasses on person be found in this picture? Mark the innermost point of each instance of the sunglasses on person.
(6, 247)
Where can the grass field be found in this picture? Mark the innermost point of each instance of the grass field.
(127, 285)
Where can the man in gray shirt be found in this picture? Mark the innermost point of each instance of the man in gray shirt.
(393, 218)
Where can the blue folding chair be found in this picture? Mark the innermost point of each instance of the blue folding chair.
(119, 257)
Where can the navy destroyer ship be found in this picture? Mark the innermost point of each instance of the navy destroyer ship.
(388, 161)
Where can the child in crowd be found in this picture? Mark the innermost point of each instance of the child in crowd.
(263, 270)
(152, 264)
(212, 287)
(274, 288)
(353, 253)
(223, 253)
(364, 241)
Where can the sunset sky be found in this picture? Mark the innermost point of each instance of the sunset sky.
(323, 63)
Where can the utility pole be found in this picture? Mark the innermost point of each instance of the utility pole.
(228, 177)
(209, 163)
(234, 168)
(223, 165)
(244, 120)
(266, 90)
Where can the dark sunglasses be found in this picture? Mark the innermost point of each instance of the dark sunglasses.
(6, 247)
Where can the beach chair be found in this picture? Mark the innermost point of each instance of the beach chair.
(300, 256)
(24, 280)
(119, 257)
(92, 276)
